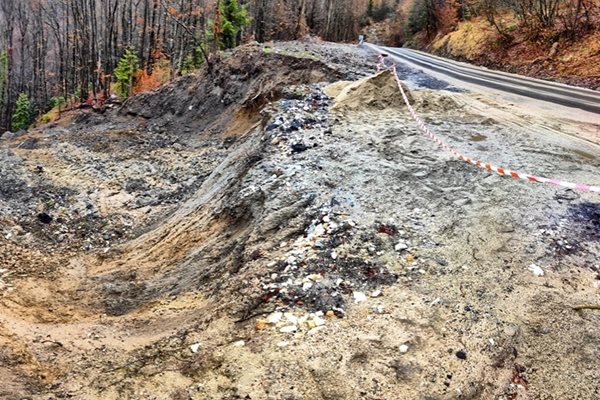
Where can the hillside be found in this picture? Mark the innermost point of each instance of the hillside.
(571, 62)
(503, 36)
(278, 228)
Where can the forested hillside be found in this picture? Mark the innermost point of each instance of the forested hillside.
(53, 51)
(552, 39)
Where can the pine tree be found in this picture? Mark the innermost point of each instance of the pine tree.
(125, 72)
(22, 116)
(234, 18)
(370, 8)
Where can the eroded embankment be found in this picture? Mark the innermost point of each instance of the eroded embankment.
(312, 247)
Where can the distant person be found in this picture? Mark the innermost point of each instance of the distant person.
(361, 40)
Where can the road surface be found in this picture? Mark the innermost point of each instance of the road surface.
(556, 93)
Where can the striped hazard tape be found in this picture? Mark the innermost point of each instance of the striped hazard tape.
(480, 164)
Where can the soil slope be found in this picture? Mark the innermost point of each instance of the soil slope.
(243, 235)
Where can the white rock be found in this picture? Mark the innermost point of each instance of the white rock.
(318, 321)
(319, 231)
(359, 297)
(376, 293)
(239, 343)
(291, 318)
(401, 246)
(195, 347)
(306, 286)
(536, 270)
(274, 317)
(289, 329)
(326, 218)
(403, 348)
(282, 344)
(333, 255)
(291, 260)
(378, 309)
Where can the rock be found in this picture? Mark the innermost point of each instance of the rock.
(462, 355)
(260, 324)
(271, 127)
(536, 270)
(359, 297)
(510, 330)
(378, 309)
(330, 314)
(461, 202)
(401, 246)
(298, 147)
(275, 317)
(291, 318)
(403, 348)
(296, 125)
(289, 329)
(239, 343)
(45, 218)
(376, 293)
(195, 347)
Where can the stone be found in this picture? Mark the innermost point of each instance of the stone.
(289, 329)
(274, 317)
(260, 324)
(401, 246)
(403, 348)
(195, 347)
(536, 270)
(359, 297)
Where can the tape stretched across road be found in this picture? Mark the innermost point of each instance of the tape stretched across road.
(487, 166)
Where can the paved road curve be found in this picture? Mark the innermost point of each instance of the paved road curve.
(570, 96)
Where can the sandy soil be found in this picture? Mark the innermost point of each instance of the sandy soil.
(252, 239)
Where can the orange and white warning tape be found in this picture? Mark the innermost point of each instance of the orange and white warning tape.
(484, 165)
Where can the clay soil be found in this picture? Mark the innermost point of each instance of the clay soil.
(256, 233)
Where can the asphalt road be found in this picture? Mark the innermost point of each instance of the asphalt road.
(557, 93)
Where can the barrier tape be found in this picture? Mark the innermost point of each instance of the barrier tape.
(381, 66)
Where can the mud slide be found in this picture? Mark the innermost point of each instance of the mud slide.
(263, 234)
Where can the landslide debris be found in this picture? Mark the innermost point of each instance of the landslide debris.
(229, 236)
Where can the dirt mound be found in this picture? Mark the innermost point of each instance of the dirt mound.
(238, 85)
(377, 92)
(336, 88)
